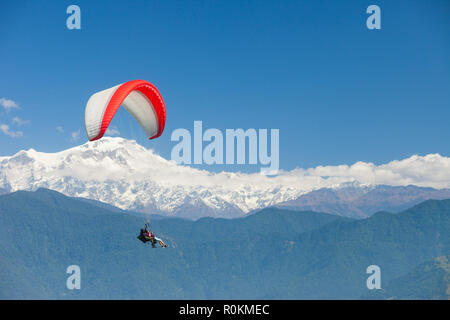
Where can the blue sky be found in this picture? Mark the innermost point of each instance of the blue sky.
(338, 92)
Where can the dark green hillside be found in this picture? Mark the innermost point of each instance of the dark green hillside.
(272, 254)
(430, 280)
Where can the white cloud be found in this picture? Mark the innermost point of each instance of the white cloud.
(432, 170)
(6, 130)
(112, 131)
(60, 129)
(75, 135)
(19, 122)
(8, 104)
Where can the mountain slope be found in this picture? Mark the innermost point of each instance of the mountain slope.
(395, 242)
(363, 201)
(428, 281)
(43, 232)
(273, 254)
(3, 191)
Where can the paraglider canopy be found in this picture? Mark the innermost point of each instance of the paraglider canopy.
(139, 97)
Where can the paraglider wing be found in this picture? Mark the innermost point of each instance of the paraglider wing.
(139, 97)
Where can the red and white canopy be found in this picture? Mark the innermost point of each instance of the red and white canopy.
(139, 97)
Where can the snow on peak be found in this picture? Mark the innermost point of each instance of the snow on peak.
(127, 175)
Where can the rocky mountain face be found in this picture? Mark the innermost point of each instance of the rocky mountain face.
(363, 201)
(124, 174)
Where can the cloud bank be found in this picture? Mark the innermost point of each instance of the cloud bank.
(432, 170)
(128, 160)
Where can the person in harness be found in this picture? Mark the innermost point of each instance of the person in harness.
(161, 243)
(147, 235)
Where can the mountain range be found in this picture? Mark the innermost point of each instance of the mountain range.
(126, 175)
(362, 202)
(271, 254)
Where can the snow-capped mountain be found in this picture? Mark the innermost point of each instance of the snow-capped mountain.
(363, 201)
(122, 173)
